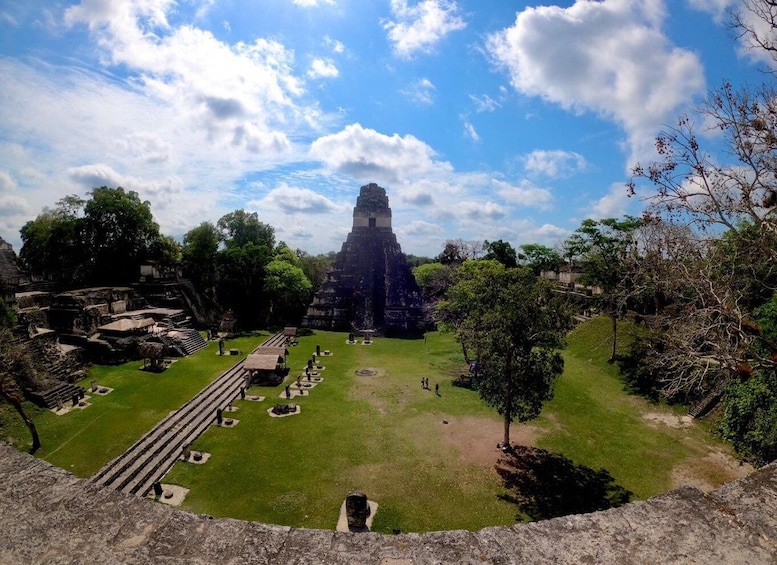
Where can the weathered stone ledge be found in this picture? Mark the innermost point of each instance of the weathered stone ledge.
(49, 516)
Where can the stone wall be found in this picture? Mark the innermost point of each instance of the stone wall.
(49, 516)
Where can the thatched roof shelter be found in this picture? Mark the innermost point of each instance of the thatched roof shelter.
(262, 362)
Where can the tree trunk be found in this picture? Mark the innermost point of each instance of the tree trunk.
(614, 317)
(14, 400)
(508, 403)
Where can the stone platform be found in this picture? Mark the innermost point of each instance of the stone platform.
(49, 516)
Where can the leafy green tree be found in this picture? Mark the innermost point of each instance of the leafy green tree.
(433, 279)
(52, 243)
(119, 231)
(315, 267)
(199, 257)
(248, 247)
(288, 289)
(510, 319)
(606, 249)
(500, 251)
(168, 254)
(539, 258)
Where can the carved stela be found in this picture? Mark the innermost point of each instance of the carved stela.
(371, 285)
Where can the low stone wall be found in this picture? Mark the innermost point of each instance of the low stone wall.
(49, 516)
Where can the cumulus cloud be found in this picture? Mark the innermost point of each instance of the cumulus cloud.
(418, 28)
(368, 155)
(524, 193)
(419, 228)
(100, 174)
(243, 93)
(420, 91)
(612, 205)
(481, 210)
(553, 164)
(608, 57)
(717, 8)
(293, 200)
(322, 68)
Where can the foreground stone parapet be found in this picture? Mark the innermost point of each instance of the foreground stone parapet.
(49, 516)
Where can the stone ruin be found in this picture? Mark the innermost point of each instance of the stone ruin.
(371, 285)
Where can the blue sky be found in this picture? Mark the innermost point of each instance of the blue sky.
(483, 119)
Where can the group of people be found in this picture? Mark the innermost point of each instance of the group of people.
(425, 385)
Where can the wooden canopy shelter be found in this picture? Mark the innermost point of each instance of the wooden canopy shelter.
(265, 367)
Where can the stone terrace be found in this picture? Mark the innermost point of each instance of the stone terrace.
(49, 516)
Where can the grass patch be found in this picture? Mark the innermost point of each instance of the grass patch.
(82, 441)
(382, 434)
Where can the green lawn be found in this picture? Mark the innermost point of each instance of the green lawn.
(82, 441)
(382, 434)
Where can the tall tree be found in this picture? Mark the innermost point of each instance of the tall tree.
(199, 257)
(248, 247)
(52, 243)
(510, 318)
(539, 258)
(500, 251)
(119, 231)
(605, 249)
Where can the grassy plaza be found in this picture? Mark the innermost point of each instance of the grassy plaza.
(427, 460)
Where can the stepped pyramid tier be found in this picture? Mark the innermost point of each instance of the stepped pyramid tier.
(370, 285)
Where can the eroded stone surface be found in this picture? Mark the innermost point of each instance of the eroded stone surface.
(49, 516)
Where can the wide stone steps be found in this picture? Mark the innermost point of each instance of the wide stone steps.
(146, 461)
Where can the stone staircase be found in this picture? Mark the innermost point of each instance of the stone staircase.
(191, 340)
(145, 462)
(60, 394)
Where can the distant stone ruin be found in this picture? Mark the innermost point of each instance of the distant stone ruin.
(370, 285)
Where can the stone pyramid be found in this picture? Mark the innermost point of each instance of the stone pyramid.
(370, 286)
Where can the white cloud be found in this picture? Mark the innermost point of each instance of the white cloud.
(335, 45)
(240, 95)
(524, 194)
(484, 103)
(419, 228)
(311, 3)
(292, 200)
(481, 210)
(608, 57)
(717, 8)
(614, 204)
(368, 155)
(553, 164)
(7, 184)
(470, 131)
(420, 27)
(420, 91)
(322, 68)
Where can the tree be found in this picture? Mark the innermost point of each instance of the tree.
(433, 279)
(510, 319)
(119, 231)
(456, 251)
(539, 258)
(199, 257)
(500, 251)
(248, 248)
(605, 249)
(14, 366)
(288, 288)
(52, 243)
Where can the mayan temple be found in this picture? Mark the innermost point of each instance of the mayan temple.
(370, 286)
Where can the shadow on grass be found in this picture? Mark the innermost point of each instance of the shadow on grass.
(545, 485)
